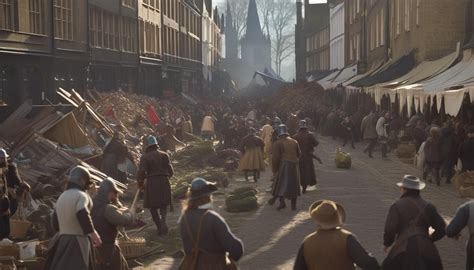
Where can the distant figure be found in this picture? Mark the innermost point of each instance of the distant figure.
(466, 151)
(407, 240)
(207, 129)
(116, 153)
(331, 247)
(433, 156)
(207, 240)
(307, 142)
(252, 159)
(369, 132)
(266, 135)
(382, 134)
(285, 155)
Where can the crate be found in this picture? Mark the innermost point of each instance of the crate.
(132, 248)
(10, 251)
(19, 228)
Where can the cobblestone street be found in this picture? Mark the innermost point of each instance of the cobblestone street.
(367, 190)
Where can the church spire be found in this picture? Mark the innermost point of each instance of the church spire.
(254, 29)
(228, 17)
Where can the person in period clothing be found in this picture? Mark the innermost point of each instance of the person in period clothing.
(348, 131)
(466, 151)
(16, 186)
(292, 123)
(72, 247)
(464, 217)
(153, 176)
(332, 247)
(266, 135)
(252, 159)
(206, 236)
(369, 132)
(115, 153)
(382, 134)
(449, 150)
(433, 156)
(276, 122)
(207, 129)
(406, 238)
(187, 126)
(419, 134)
(307, 142)
(107, 215)
(285, 155)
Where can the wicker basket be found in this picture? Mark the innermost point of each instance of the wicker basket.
(133, 247)
(19, 228)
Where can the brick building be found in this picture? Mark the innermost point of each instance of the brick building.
(419, 24)
(355, 31)
(377, 28)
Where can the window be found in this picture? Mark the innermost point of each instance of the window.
(152, 38)
(6, 15)
(398, 17)
(36, 19)
(357, 47)
(382, 27)
(152, 4)
(417, 12)
(132, 3)
(63, 19)
(350, 12)
(377, 31)
(128, 35)
(407, 14)
(351, 52)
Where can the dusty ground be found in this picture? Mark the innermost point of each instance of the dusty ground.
(272, 238)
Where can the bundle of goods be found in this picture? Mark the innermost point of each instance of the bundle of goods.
(464, 184)
(133, 247)
(343, 160)
(242, 200)
(406, 150)
(180, 190)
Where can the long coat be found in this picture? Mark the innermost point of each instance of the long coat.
(307, 143)
(409, 220)
(285, 155)
(252, 149)
(368, 127)
(154, 172)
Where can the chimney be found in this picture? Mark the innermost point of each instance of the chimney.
(299, 12)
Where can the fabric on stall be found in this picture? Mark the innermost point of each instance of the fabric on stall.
(453, 101)
(409, 102)
(417, 103)
(439, 101)
(422, 102)
(393, 96)
(402, 99)
(68, 132)
(471, 94)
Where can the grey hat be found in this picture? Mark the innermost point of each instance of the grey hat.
(303, 124)
(412, 182)
(200, 188)
(108, 185)
(282, 130)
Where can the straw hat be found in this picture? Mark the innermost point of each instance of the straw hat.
(327, 214)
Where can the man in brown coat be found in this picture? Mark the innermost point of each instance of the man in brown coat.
(153, 176)
(307, 143)
(332, 247)
(285, 155)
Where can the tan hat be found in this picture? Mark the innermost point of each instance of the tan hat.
(327, 214)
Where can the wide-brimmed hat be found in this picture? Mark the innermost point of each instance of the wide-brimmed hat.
(282, 130)
(412, 182)
(200, 188)
(327, 214)
(303, 124)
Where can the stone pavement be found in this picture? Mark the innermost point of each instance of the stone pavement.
(367, 190)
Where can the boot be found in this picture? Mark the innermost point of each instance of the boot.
(293, 204)
(164, 227)
(272, 201)
(304, 189)
(282, 204)
(255, 176)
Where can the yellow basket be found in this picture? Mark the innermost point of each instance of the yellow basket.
(19, 228)
(133, 247)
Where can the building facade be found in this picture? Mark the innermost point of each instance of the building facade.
(418, 24)
(211, 40)
(355, 36)
(313, 54)
(336, 36)
(377, 32)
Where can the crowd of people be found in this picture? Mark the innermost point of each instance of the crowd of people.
(91, 221)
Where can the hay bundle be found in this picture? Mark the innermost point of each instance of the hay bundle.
(464, 184)
(406, 150)
(242, 200)
(343, 160)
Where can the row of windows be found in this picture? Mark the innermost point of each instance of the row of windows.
(152, 4)
(354, 48)
(109, 31)
(354, 8)
(170, 9)
(404, 13)
(317, 40)
(318, 61)
(35, 8)
(130, 3)
(150, 36)
(377, 30)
